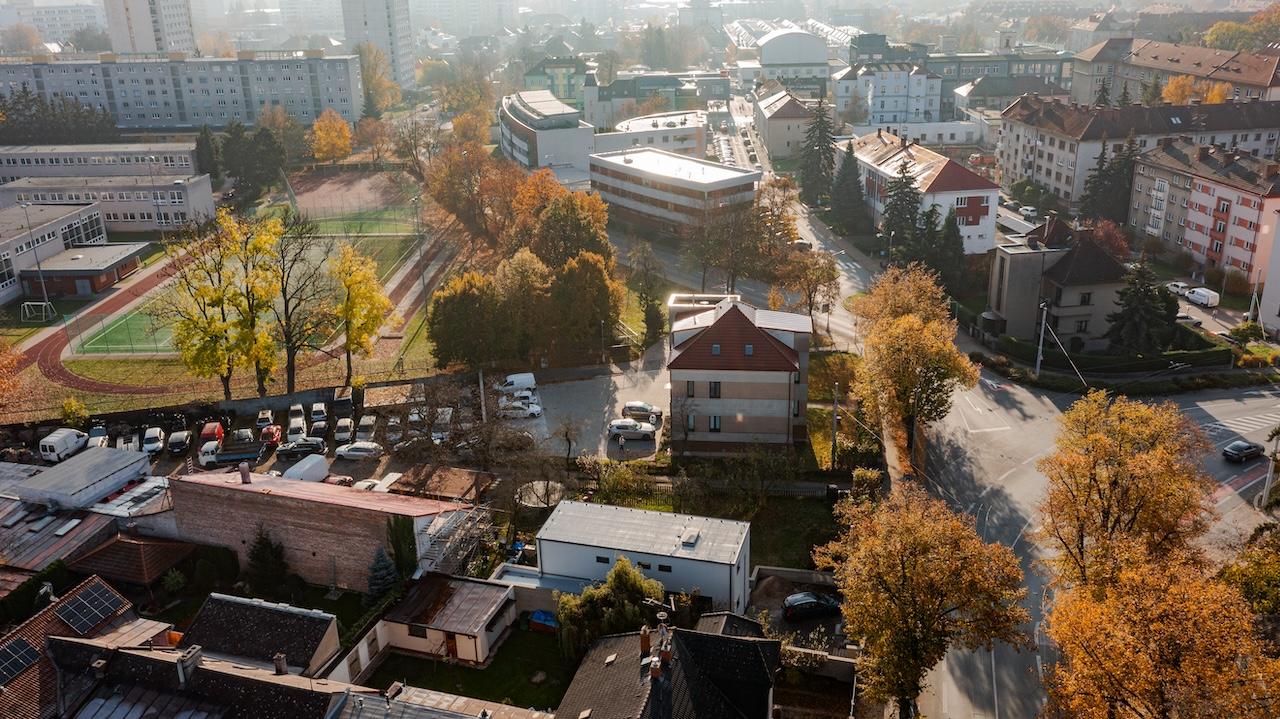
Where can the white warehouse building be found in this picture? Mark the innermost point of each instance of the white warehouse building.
(686, 553)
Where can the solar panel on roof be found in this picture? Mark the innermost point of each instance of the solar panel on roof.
(15, 657)
(87, 610)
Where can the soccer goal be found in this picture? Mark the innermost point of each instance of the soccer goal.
(38, 312)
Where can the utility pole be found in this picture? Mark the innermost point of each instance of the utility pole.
(835, 420)
(483, 411)
(1044, 321)
(1271, 473)
(44, 293)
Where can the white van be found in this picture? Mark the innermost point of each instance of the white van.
(517, 382)
(1203, 296)
(62, 443)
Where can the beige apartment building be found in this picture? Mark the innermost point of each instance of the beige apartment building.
(739, 378)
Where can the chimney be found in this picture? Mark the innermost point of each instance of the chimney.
(244, 473)
(99, 668)
(282, 667)
(1202, 153)
(902, 142)
(644, 640)
(187, 663)
(1271, 169)
(664, 653)
(655, 668)
(877, 133)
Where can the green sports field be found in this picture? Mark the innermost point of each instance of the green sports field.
(134, 332)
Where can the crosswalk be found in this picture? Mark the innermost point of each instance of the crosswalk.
(1241, 425)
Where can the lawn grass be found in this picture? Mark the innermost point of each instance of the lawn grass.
(13, 330)
(633, 315)
(507, 679)
(387, 252)
(348, 607)
(819, 427)
(416, 348)
(388, 219)
(785, 530)
(160, 371)
(827, 368)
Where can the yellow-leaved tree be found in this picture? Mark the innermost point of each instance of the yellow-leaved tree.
(362, 307)
(917, 580)
(1125, 476)
(254, 245)
(1162, 641)
(330, 137)
(1182, 89)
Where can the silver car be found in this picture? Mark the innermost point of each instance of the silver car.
(631, 429)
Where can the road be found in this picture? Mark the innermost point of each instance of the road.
(981, 459)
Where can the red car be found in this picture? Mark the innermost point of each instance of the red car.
(270, 435)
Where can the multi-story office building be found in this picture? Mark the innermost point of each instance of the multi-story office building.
(55, 23)
(321, 17)
(891, 92)
(667, 192)
(46, 230)
(538, 130)
(157, 158)
(150, 26)
(1056, 144)
(386, 25)
(1130, 64)
(128, 204)
(739, 378)
(940, 180)
(172, 91)
(1220, 205)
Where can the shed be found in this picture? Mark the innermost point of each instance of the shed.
(457, 617)
(84, 479)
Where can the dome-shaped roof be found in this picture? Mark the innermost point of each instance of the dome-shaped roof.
(789, 46)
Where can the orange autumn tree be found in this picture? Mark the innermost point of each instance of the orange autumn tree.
(1182, 89)
(1162, 641)
(330, 137)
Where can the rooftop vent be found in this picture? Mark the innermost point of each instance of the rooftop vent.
(609, 660)
(689, 537)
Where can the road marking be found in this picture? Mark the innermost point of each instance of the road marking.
(995, 696)
(1020, 533)
(972, 404)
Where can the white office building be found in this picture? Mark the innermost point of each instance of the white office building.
(172, 91)
(150, 26)
(128, 204)
(47, 230)
(385, 24)
(666, 192)
(141, 159)
(686, 553)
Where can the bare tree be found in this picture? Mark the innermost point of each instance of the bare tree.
(416, 137)
(303, 318)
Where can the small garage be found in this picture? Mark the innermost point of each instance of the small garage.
(455, 617)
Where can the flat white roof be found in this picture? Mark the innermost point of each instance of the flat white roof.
(663, 534)
(13, 221)
(99, 147)
(687, 119)
(90, 182)
(670, 164)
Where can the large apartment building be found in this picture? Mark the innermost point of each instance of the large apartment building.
(54, 22)
(941, 181)
(1057, 144)
(385, 24)
(666, 192)
(892, 92)
(739, 378)
(150, 26)
(1129, 64)
(173, 91)
(101, 160)
(1220, 205)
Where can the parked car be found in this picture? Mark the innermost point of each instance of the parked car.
(271, 435)
(1187, 319)
(62, 443)
(809, 605)
(527, 396)
(290, 451)
(179, 443)
(264, 418)
(297, 429)
(98, 436)
(318, 412)
(1203, 296)
(244, 434)
(517, 382)
(359, 450)
(153, 441)
(631, 429)
(296, 412)
(343, 430)
(369, 425)
(1177, 288)
(319, 430)
(1028, 212)
(1226, 337)
(520, 410)
(640, 410)
(1241, 451)
(395, 430)
(800, 246)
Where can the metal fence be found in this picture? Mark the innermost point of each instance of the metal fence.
(133, 332)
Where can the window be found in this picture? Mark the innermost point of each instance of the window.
(714, 423)
(1086, 298)
(715, 350)
(1082, 325)
(714, 390)
(749, 350)
(688, 388)
(353, 662)
(664, 567)
(644, 565)
(417, 630)
(689, 422)
(601, 560)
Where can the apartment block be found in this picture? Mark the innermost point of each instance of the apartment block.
(1057, 144)
(1129, 64)
(173, 91)
(137, 203)
(103, 160)
(1220, 205)
(385, 24)
(667, 192)
(55, 23)
(739, 379)
(150, 25)
(891, 92)
(941, 181)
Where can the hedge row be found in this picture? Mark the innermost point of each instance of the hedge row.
(1055, 359)
(1155, 386)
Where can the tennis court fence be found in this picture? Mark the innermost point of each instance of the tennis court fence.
(133, 332)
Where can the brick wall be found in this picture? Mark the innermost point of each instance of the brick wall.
(318, 538)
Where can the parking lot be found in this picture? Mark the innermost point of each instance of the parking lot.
(587, 406)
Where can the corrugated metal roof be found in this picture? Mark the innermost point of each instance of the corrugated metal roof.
(34, 550)
(82, 479)
(397, 504)
(625, 529)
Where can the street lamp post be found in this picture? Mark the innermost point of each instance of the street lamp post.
(1261, 501)
(422, 250)
(44, 292)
